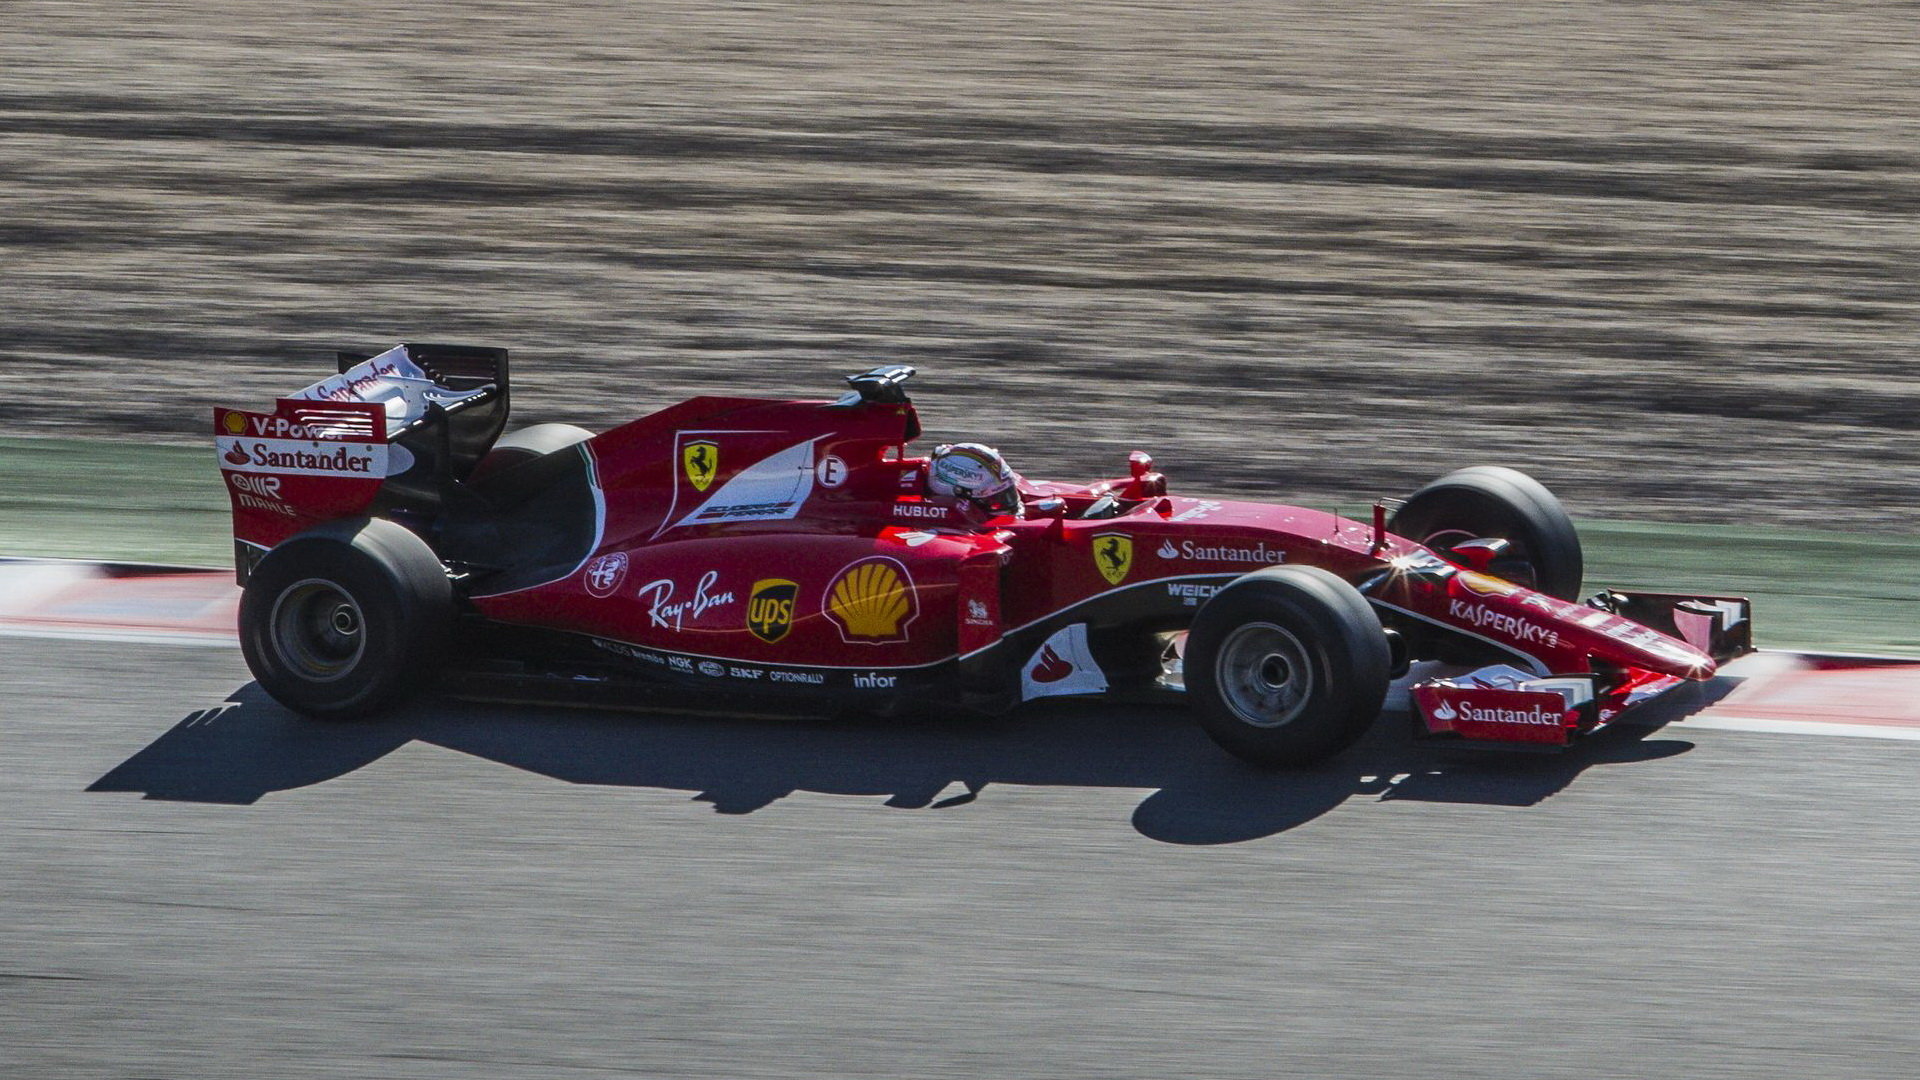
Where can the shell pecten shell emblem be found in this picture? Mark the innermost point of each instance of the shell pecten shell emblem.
(872, 601)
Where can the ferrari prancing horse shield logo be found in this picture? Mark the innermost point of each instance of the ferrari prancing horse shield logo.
(1113, 554)
(701, 460)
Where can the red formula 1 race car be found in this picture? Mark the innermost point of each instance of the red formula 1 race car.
(754, 555)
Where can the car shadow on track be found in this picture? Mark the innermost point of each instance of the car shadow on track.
(251, 747)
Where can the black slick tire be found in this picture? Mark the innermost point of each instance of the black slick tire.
(1491, 502)
(346, 619)
(1286, 666)
(496, 472)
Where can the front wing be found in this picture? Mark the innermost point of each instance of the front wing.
(1502, 706)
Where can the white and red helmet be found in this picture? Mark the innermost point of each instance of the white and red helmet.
(976, 473)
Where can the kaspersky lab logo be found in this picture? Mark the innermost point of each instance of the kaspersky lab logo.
(701, 460)
(1113, 555)
(770, 608)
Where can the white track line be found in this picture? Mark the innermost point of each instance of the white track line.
(126, 637)
(1795, 727)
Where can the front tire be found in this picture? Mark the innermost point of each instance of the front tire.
(346, 619)
(1287, 666)
(1490, 502)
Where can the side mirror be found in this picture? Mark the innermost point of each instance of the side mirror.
(1145, 483)
(1479, 554)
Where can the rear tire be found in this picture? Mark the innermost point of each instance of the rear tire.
(517, 448)
(1490, 502)
(346, 619)
(1287, 666)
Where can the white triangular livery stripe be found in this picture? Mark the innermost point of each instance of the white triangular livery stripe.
(771, 489)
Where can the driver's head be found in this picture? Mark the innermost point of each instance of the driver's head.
(976, 473)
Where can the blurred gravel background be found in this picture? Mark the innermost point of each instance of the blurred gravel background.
(1662, 255)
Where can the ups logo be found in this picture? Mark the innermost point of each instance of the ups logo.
(770, 608)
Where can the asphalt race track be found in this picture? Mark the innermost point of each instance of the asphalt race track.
(466, 890)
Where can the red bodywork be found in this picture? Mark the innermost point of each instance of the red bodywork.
(754, 546)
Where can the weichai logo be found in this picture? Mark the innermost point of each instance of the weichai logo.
(770, 608)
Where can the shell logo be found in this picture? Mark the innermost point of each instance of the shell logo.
(1485, 584)
(235, 423)
(872, 601)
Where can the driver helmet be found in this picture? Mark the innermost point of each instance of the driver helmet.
(975, 473)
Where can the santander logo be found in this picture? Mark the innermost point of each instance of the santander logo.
(1499, 707)
(1050, 667)
(1188, 551)
(1062, 664)
(1532, 715)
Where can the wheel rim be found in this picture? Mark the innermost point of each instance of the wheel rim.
(318, 630)
(1264, 674)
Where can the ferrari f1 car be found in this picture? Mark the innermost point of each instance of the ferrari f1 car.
(754, 555)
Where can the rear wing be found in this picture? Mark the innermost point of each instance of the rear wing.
(392, 431)
(409, 378)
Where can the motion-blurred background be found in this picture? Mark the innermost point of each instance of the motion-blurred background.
(1663, 256)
